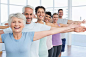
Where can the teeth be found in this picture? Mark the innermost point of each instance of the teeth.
(40, 16)
(16, 27)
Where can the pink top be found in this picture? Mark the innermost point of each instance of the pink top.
(49, 42)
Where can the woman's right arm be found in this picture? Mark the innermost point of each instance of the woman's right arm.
(0, 39)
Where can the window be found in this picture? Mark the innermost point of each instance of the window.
(78, 14)
(47, 3)
(15, 9)
(4, 1)
(60, 3)
(78, 2)
(18, 2)
(50, 9)
(4, 13)
(34, 3)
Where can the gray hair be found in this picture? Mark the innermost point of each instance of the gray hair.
(17, 15)
(27, 6)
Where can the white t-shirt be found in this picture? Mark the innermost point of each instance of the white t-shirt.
(62, 21)
(32, 27)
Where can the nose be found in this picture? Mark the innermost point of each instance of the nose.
(16, 24)
(28, 16)
(40, 13)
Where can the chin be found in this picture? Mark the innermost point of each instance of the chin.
(28, 22)
(17, 31)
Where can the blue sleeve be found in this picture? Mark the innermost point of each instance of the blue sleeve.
(3, 36)
(31, 35)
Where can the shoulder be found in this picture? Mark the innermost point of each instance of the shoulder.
(27, 33)
(7, 35)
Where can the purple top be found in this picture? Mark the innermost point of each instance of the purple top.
(56, 39)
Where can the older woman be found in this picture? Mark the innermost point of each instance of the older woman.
(18, 43)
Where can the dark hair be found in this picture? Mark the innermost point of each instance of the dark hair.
(49, 13)
(60, 10)
(36, 9)
(55, 14)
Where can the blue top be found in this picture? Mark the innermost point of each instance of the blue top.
(18, 48)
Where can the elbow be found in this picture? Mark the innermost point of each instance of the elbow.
(34, 39)
(1, 33)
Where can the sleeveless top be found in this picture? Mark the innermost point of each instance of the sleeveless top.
(49, 42)
(43, 51)
(56, 40)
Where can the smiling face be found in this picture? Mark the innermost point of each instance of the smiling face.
(17, 25)
(29, 15)
(40, 14)
(55, 18)
(60, 13)
(47, 18)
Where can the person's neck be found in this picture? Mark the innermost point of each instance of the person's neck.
(60, 17)
(47, 22)
(17, 35)
(54, 22)
(40, 21)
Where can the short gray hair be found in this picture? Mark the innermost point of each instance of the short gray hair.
(27, 6)
(17, 15)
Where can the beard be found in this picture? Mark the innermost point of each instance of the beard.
(28, 18)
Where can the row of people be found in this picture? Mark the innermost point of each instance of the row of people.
(27, 44)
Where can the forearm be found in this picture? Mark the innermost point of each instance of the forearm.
(41, 34)
(70, 30)
(74, 22)
(77, 22)
(64, 25)
(60, 30)
(4, 27)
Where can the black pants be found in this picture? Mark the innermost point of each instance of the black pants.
(57, 50)
(50, 52)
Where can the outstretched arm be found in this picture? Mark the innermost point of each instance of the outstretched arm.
(41, 34)
(78, 29)
(4, 27)
(76, 22)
